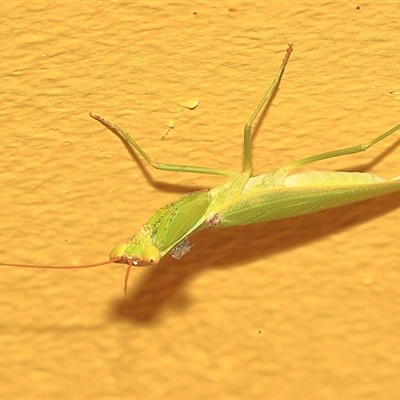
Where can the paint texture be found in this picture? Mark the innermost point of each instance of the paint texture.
(301, 308)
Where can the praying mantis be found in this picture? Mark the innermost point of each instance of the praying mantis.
(242, 199)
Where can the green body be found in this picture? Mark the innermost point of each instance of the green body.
(264, 198)
(245, 199)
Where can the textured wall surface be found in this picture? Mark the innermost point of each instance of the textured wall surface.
(307, 307)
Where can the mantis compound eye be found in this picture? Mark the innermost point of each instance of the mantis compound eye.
(150, 255)
(117, 253)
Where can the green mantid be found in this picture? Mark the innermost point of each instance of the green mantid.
(242, 199)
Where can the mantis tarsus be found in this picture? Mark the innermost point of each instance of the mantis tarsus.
(242, 199)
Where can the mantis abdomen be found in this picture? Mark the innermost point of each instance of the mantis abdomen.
(285, 202)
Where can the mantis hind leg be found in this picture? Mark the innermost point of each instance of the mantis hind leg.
(247, 159)
(163, 166)
(341, 152)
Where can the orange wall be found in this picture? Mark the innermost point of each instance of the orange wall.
(307, 307)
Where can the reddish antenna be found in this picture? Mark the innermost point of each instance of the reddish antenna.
(59, 266)
(115, 260)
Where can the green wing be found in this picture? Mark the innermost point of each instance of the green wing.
(306, 193)
(178, 220)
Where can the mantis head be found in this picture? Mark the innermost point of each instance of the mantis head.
(141, 256)
(138, 252)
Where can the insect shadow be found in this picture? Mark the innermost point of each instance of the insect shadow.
(375, 161)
